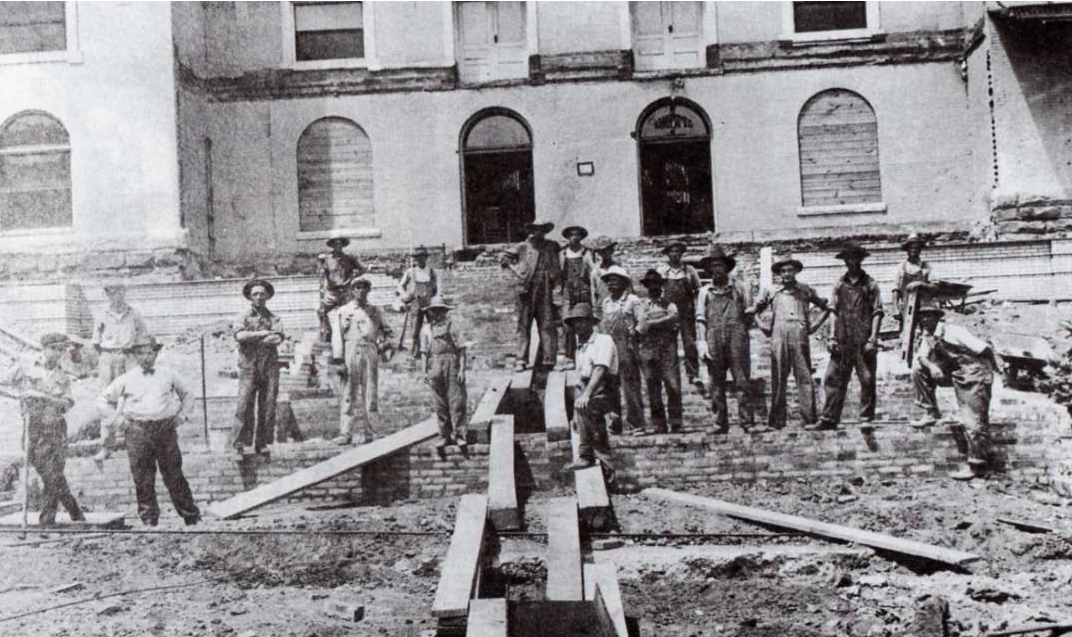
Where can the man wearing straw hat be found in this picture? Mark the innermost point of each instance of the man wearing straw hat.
(538, 275)
(259, 333)
(444, 355)
(791, 327)
(419, 284)
(115, 330)
(44, 398)
(150, 400)
(725, 344)
(853, 343)
(619, 316)
(357, 332)
(336, 270)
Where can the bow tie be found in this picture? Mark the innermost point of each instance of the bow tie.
(148, 372)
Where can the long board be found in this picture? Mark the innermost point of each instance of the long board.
(564, 575)
(314, 475)
(459, 576)
(555, 417)
(815, 527)
(487, 618)
(909, 325)
(502, 481)
(602, 580)
(95, 519)
(491, 401)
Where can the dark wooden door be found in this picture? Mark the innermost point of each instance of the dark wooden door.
(499, 195)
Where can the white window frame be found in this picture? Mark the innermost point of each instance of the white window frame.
(873, 28)
(708, 35)
(71, 55)
(36, 149)
(290, 57)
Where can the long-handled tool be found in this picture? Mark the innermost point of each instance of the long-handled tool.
(204, 391)
(25, 472)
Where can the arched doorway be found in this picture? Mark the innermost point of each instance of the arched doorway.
(498, 191)
(674, 139)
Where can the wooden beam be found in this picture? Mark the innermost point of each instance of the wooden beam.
(459, 576)
(535, 348)
(95, 519)
(311, 476)
(1026, 525)
(601, 586)
(521, 384)
(823, 529)
(555, 418)
(564, 575)
(487, 618)
(490, 402)
(502, 481)
(1052, 629)
(592, 499)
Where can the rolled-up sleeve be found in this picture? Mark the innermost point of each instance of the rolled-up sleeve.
(605, 353)
(876, 300)
(109, 398)
(958, 336)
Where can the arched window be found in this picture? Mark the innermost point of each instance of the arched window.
(497, 172)
(334, 177)
(35, 172)
(838, 136)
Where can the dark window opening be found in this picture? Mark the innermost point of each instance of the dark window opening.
(498, 181)
(328, 31)
(829, 16)
(35, 173)
(32, 27)
(675, 171)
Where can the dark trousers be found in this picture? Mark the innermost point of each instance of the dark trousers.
(48, 454)
(589, 423)
(537, 304)
(729, 350)
(973, 397)
(449, 397)
(151, 445)
(688, 340)
(663, 373)
(791, 352)
(836, 381)
(567, 331)
(258, 388)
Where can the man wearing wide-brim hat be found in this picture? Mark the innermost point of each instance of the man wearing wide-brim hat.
(576, 264)
(913, 274)
(150, 399)
(44, 391)
(950, 353)
(418, 285)
(657, 330)
(258, 332)
(682, 285)
(357, 333)
(603, 250)
(725, 343)
(444, 355)
(537, 275)
(790, 329)
(597, 376)
(118, 326)
(853, 344)
(337, 268)
(619, 316)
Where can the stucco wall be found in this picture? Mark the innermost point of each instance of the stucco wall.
(569, 27)
(118, 105)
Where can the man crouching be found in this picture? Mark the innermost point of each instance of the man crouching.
(597, 373)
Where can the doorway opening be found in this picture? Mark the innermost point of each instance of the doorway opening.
(498, 188)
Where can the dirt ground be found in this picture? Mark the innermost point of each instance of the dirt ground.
(274, 585)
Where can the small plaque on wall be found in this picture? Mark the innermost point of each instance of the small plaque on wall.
(585, 169)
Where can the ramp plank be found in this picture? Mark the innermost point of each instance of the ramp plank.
(601, 586)
(592, 498)
(564, 581)
(460, 574)
(311, 476)
(487, 618)
(490, 401)
(502, 481)
(521, 383)
(815, 527)
(555, 417)
(100, 518)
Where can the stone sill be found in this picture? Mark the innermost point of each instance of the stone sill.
(355, 233)
(844, 209)
(852, 36)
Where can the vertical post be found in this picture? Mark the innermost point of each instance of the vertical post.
(204, 392)
(25, 472)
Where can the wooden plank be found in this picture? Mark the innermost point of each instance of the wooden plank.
(909, 325)
(555, 418)
(487, 618)
(502, 481)
(311, 476)
(1025, 525)
(490, 401)
(564, 575)
(535, 346)
(601, 586)
(521, 383)
(460, 574)
(100, 518)
(815, 527)
(593, 502)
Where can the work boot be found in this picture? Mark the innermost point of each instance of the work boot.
(343, 440)
(192, 520)
(721, 431)
(927, 421)
(579, 464)
(822, 425)
(963, 472)
(760, 429)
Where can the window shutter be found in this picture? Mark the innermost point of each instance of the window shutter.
(335, 176)
(839, 160)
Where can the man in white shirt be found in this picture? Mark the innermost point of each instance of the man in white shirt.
(357, 332)
(113, 333)
(597, 376)
(150, 400)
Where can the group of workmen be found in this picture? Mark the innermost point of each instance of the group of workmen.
(615, 341)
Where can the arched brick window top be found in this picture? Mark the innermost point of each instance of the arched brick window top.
(335, 176)
(839, 161)
(35, 172)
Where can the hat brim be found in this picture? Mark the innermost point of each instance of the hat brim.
(156, 346)
(730, 262)
(343, 241)
(567, 231)
(674, 246)
(920, 242)
(650, 280)
(609, 275)
(247, 289)
(360, 284)
(546, 226)
(574, 319)
(863, 254)
(793, 262)
(437, 306)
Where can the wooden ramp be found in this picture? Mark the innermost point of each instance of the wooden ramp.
(555, 417)
(502, 483)
(487, 618)
(311, 476)
(564, 575)
(459, 578)
(491, 401)
(601, 586)
(815, 527)
(98, 519)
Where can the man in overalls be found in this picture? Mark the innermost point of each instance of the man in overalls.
(912, 274)
(418, 285)
(115, 330)
(657, 348)
(538, 275)
(721, 308)
(952, 352)
(336, 270)
(576, 264)
(603, 249)
(682, 284)
(44, 397)
(620, 313)
(357, 331)
(597, 374)
(444, 371)
(853, 343)
(259, 333)
(789, 331)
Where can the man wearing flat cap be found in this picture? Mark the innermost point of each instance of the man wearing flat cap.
(682, 283)
(790, 330)
(44, 398)
(538, 274)
(853, 344)
(725, 344)
(150, 400)
(259, 333)
(357, 332)
(337, 268)
(419, 284)
(113, 333)
(576, 265)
